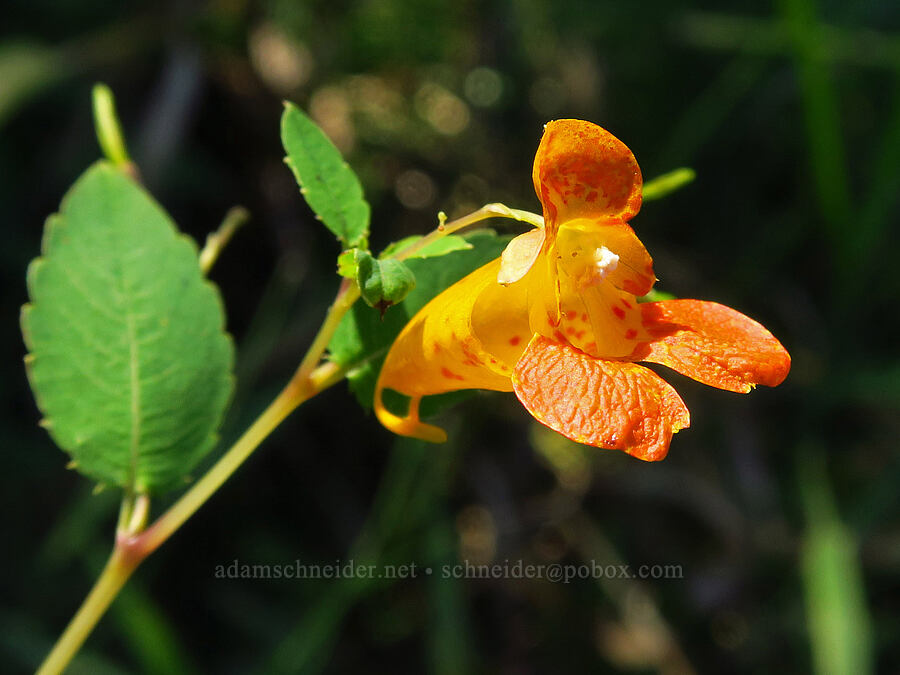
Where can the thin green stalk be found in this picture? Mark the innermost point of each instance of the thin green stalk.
(168, 523)
(347, 295)
(216, 241)
(308, 381)
(108, 584)
(485, 212)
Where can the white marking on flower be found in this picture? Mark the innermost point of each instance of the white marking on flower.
(605, 261)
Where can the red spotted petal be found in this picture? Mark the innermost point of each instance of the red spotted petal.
(713, 344)
(607, 404)
(583, 171)
(439, 351)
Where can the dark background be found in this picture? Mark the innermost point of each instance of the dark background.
(781, 507)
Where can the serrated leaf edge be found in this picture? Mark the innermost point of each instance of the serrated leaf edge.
(362, 240)
(55, 220)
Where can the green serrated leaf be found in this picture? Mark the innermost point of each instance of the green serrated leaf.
(382, 283)
(128, 358)
(438, 247)
(362, 339)
(327, 183)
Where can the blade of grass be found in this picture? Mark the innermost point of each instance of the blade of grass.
(449, 642)
(884, 185)
(823, 129)
(837, 616)
(762, 36)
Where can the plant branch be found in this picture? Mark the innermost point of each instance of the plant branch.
(485, 212)
(118, 568)
(216, 241)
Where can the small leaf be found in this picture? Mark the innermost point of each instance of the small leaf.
(327, 183)
(129, 361)
(438, 247)
(382, 283)
(362, 339)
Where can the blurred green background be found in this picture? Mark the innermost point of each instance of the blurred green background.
(781, 507)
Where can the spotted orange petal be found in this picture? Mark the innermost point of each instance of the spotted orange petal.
(583, 171)
(439, 350)
(713, 344)
(600, 320)
(578, 240)
(608, 404)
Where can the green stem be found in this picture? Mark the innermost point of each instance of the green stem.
(485, 212)
(308, 381)
(118, 568)
(216, 241)
(347, 294)
(169, 522)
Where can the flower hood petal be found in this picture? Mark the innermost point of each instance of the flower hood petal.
(583, 171)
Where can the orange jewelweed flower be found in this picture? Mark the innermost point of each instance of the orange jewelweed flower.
(556, 319)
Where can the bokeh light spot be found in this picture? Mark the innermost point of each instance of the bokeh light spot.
(283, 64)
(415, 189)
(442, 109)
(483, 87)
(330, 108)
